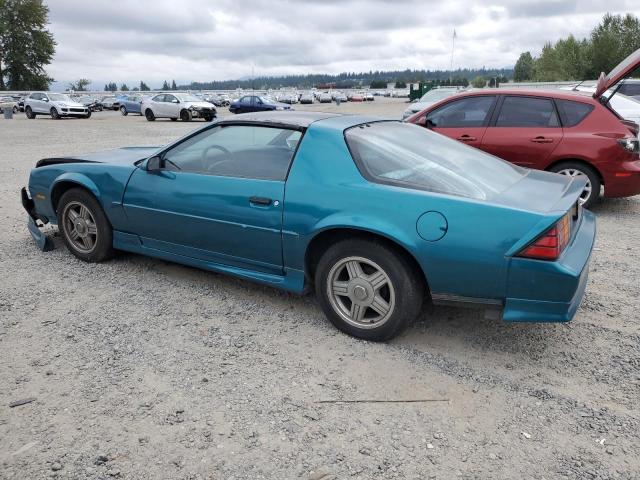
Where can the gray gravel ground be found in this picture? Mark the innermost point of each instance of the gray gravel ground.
(145, 369)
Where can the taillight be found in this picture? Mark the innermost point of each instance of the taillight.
(549, 245)
(629, 144)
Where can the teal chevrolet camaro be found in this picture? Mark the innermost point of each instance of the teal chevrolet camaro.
(377, 216)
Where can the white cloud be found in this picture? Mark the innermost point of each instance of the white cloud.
(154, 40)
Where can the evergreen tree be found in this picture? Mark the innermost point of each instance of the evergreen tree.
(124, 88)
(165, 86)
(144, 87)
(523, 71)
(173, 85)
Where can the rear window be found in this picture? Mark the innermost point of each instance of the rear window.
(410, 156)
(573, 113)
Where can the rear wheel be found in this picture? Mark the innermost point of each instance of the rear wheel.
(85, 228)
(123, 111)
(148, 113)
(29, 113)
(54, 113)
(367, 289)
(591, 191)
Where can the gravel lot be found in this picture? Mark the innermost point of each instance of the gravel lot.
(145, 369)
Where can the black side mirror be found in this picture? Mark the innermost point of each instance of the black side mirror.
(154, 164)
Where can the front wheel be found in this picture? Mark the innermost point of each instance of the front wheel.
(148, 113)
(29, 113)
(367, 289)
(185, 115)
(85, 228)
(591, 190)
(54, 114)
(88, 115)
(123, 111)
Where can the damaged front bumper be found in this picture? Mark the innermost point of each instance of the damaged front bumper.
(44, 243)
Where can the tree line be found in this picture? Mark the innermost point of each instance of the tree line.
(610, 42)
(373, 79)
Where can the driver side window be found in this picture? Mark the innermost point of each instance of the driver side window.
(243, 151)
(466, 112)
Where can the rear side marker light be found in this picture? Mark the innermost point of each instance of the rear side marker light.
(549, 245)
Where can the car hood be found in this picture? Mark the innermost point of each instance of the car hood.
(199, 104)
(418, 106)
(120, 156)
(64, 103)
(623, 69)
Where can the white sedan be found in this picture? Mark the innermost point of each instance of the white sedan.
(177, 105)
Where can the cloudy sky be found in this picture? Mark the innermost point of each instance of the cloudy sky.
(152, 40)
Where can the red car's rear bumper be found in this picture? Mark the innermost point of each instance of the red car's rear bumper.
(622, 179)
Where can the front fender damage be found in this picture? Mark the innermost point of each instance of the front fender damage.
(43, 242)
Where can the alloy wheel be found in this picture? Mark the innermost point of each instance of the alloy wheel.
(361, 292)
(80, 227)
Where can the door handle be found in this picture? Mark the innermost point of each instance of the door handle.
(260, 201)
(466, 138)
(542, 139)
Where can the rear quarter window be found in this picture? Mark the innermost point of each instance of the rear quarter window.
(572, 113)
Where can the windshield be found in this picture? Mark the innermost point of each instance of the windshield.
(435, 95)
(185, 97)
(59, 97)
(410, 156)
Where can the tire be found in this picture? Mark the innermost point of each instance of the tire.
(100, 108)
(148, 113)
(88, 115)
(396, 291)
(16, 109)
(185, 115)
(123, 111)
(29, 113)
(209, 118)
(173, 119)
(592, 192)
(92, 247)
(54, 113)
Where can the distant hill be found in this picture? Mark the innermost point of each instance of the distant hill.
(347, 79)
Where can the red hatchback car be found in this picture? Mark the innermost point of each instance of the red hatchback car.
(571, 133)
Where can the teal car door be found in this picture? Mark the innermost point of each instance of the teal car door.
(216, 196)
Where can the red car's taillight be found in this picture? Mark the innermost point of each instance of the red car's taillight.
(549, 246)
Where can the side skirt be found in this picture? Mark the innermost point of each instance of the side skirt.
(467, 302)
(292, 281)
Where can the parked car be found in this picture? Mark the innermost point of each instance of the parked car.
(21, 102)
(324, 97)
(177, 105)
(9, 103)
(110, 102)
(255, 103)
(90, 102)
(469, 230)
(568, 132)
(306, 98)
(429, 98)
(368, 96)
(356, 97)
(217, 100)
(58, 105)
(631, 88)
(131, 104)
